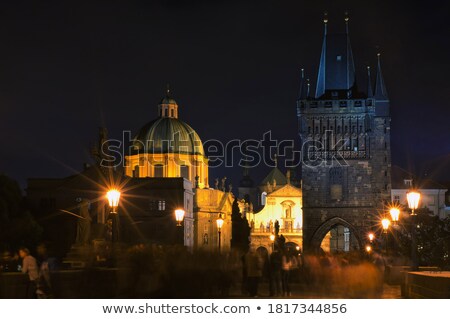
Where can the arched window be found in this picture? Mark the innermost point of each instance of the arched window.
(184, 171)
(136, 171)
(263, 198)
(159, 171)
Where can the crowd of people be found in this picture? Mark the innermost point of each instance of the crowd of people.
(336, 275)
(172, 271)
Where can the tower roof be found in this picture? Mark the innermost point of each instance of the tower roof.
(275, 175)
(380, 87)
(337, 68)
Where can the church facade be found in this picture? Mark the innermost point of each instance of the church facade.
(345, 135)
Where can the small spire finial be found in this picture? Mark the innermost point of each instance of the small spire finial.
(303, 73)
(325, 17)
(308, 85)
(168, 89)
(275, 159)
(346, 16)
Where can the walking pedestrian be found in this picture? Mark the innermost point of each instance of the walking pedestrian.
(30, 267)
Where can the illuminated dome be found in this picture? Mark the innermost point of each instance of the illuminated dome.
(168, 135)
(168, 147)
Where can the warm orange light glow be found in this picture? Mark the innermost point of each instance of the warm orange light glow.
(371, 237)
(272, 237)
(113, 197)
(179, 216)
(395, 214)
(413, 198)
(219, 222)
(385, 223)
(297, 248)
(368, 248)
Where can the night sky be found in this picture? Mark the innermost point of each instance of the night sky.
(68, 67)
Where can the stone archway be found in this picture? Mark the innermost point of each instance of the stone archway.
(323, 229)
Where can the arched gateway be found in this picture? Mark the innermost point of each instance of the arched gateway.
(334, 235)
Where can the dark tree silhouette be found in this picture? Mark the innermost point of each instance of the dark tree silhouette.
(17, 225)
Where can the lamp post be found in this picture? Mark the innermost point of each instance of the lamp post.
(385, 223)
(179, 217)
(272, 239)
(413, 199)
(113, 197)
(219, 222)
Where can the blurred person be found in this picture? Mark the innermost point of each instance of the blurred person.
(44, 286)
(254, 264)
(275, 272)
(288, 263)
(30, 267)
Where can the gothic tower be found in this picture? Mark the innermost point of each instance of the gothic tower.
(345, 136)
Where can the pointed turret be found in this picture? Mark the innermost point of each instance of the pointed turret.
(303, 92)
(380, 87)
(351, 78)
(369, 83)
(320, 87)
(337, 68)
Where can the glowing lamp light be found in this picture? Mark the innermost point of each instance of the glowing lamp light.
(272, 237)
(179, 216)
(113, 197)
(368, 248)
(371, 237)
(385, 223)
(395, 214)
(219, 222)
(413, 198)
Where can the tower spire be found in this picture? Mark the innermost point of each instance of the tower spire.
(369, 83)
(380, 87)
(350, 61)
(302, 94)
(337, 68)
(320, 86)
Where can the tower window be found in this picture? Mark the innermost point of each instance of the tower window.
(162, 205)
(171, 113)
(339, 58)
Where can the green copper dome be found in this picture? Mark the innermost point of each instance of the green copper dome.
(168, 135)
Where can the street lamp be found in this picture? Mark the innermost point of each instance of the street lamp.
(113, 196)
(385, 223)
(179, 216)
(368, 249)
(219, 222)
(413, 199)
(395, 214)
(371, 237)
(272, 239)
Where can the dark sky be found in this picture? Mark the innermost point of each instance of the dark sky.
(68, 67)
